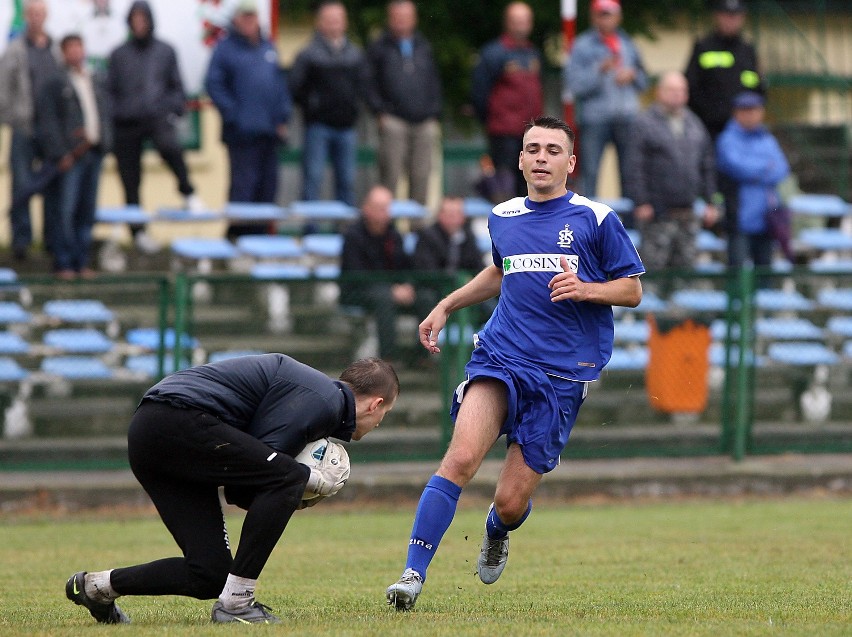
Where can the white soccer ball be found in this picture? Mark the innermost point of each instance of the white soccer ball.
(329, 465)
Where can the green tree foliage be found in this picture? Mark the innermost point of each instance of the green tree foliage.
(458, 29)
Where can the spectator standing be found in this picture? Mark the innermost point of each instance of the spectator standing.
(606, 77)
(29, 60)
(148, 100)
(328, 80)
(248, 87)
(74, 130)
(507, 90)
(405, 95)
(372, 244)
(722, 65)
(670, 164)
(750, 156)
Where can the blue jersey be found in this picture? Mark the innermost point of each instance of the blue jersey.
(568, 339)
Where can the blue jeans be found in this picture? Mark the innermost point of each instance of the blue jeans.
(321, 144)
(70, 215)
(254, 177)
(593, 139)
(21, 155)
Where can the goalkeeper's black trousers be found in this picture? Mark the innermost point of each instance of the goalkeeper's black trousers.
(181, 457)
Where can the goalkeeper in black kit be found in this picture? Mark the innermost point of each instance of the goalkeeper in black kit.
(238, 424)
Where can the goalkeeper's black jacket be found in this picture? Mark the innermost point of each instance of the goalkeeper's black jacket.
(272, 397)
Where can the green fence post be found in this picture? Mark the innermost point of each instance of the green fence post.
(163, 326)
(181, 302)
(744, 390)
(726, 440)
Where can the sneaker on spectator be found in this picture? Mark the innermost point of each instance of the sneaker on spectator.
(146, 243)
(194, 204)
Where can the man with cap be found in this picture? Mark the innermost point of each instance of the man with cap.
(751, 158)
(606, 77)
(722, 65)
(248, 87)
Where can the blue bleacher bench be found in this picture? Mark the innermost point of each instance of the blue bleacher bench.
(76, 367)
(78, 311)
(267, 246)
(801, 353)
(80, 341)
(203, 248)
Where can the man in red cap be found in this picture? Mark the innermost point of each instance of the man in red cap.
(606, 77)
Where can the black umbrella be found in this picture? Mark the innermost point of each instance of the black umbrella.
(45, 175)
(39, 182)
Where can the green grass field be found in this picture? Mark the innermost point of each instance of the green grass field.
(756, 567)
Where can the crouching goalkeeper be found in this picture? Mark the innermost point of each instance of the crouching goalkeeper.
(238, 424)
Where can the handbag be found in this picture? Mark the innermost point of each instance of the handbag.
(779, 222)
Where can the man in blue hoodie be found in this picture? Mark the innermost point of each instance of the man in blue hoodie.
(247, 85)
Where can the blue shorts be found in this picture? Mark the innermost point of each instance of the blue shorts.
(542, 408)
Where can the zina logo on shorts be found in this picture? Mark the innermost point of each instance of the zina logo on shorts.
(538, 263)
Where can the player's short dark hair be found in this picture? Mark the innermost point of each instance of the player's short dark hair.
(372, 377)
(546, 121)
(68, 39)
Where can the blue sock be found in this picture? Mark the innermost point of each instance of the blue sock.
(434, 515)
(495, 527)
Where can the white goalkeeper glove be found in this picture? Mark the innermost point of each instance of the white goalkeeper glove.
(329, 474)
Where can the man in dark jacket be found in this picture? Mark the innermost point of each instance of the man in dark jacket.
(670, 164)
(506, 90)
(148, 100)
(247, 85)
(721, 66)
(239, 424)
(327, 81)
(447, 246)
(372, 244)
(74, 131)
(405, 95)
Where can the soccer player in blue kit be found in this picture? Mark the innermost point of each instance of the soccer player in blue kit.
(561, 262)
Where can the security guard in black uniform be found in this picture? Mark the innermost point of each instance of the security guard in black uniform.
(721, 66)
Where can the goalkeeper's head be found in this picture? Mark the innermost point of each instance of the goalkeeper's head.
(376, 386)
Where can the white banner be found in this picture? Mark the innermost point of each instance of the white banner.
(190, 26)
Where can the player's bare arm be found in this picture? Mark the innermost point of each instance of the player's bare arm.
(483, 286)
(567, 286)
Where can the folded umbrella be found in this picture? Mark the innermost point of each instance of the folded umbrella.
(45, 176)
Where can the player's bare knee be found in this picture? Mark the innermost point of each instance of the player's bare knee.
(458, 467)
(510, 507)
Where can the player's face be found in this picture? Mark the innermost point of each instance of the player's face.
(370, 416)
(547, 158)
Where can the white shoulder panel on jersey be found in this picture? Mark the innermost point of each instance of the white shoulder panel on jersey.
(601, 210)
(511, 208)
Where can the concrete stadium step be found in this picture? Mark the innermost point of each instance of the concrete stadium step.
(400, 444)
